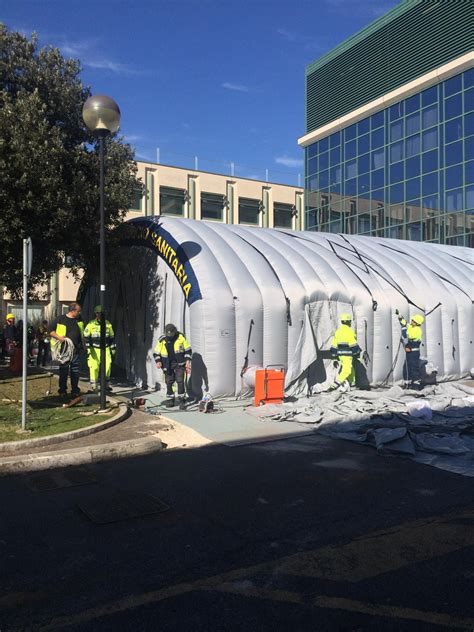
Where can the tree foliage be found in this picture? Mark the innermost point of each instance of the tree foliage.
(49, 166)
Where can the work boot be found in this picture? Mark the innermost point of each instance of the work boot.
(182, 403)
(169, 402)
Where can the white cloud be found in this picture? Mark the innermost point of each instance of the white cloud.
(362, 8)
(88, 53)
(132, 138)
(237, 87)
(307, 42)
(110, 65)
(286, 161)
(288, 35)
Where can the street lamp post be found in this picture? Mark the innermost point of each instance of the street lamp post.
(102, 117)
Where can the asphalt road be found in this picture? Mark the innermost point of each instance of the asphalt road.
(301, 534)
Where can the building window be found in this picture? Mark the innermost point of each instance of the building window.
(249, 211)
(172, 201)
(351, 220)
(212, 206)
(137, 200)
(282, 215)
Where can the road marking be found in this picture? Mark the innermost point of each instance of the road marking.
(384, 551)
(285, 596)
(367, 556)
(394, 612)
(349, 605)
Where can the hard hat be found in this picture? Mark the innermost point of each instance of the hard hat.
(9, 317)
(98, 309)
(170, 330)
(345, 317)
(418, 319)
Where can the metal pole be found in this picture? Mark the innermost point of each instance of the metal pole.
(158, 155)
(25, 334)
(232, 168)
(103, 402)
(196, 163)
(299, 179)
(266, 175)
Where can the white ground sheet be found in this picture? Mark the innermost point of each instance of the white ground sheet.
(434, 426)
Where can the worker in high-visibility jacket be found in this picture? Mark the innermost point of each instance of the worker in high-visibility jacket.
(412, 337)
(92, 338)
(344, 350)
(173, 354)
(70, 326)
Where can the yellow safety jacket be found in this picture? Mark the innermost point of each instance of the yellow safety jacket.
(61, 331)
(344, 343)
(412, 335)
(181, 347)
(92, 334)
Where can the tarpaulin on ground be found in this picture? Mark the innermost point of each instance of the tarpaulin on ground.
(434, 426)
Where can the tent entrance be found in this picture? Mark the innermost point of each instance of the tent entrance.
(312, 362)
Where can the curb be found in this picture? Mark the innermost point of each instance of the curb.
(79, 456)
(10, 447)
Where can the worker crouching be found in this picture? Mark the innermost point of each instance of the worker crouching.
(412, 336)
(344, 350)
(173, 354)
(92, 338)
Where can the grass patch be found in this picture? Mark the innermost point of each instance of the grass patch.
(45, 413)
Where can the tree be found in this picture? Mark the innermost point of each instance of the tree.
(49, 166)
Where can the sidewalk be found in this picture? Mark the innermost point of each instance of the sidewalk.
(229, 424)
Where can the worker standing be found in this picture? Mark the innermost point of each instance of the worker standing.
(92, 338)
(344, 350)
(11, 336)
(70, 329)
(412, 336)
(173, 354)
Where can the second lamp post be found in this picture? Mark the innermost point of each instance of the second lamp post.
(102, 117)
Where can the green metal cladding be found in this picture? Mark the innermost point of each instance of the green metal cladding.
(412, 39)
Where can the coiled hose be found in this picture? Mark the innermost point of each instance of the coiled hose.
(62, 352)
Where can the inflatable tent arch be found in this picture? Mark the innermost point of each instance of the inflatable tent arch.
(256, 297)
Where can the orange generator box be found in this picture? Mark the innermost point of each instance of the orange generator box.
(269, 385)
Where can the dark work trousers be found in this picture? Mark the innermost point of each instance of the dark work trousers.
(43, 353)
(411, 368)
(73, 369)
(175, 374)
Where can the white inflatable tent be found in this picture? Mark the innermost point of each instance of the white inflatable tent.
(248, 297)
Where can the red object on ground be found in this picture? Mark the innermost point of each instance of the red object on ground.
(269, 386)
(16, 360)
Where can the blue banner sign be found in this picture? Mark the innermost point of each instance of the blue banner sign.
(151, 234)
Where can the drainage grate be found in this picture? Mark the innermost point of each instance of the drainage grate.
(44, 481)
(117, 508)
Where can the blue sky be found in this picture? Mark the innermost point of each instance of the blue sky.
(223, 80)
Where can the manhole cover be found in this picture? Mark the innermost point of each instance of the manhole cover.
(43, 481)
(123, 507)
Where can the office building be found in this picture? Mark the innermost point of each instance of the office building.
(389, 141)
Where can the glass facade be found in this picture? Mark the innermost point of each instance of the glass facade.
(405, 172)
